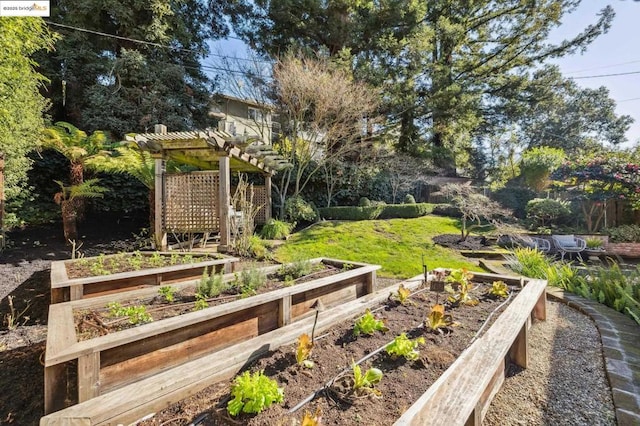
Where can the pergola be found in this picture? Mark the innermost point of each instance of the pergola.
(209, 150)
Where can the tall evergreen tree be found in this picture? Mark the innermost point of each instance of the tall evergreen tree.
(443, 63)
(115, 82)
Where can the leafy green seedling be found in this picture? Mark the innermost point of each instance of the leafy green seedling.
(201, 302)
(437, 320)
(402, 296)
(364, 382)
(402, 346)
(168, 293)
(136, 314)
(252, 393)
(368, 324)
(499, 289)
(303, 351)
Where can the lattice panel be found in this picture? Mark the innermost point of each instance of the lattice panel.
(191, 202)
(259, 199)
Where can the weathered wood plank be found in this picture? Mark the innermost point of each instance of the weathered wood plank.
(88, 376)
(61, 335)
(519, 351)
(163, 389)
(133, 369)
(147, 330)
(284, 311)
(444, 399)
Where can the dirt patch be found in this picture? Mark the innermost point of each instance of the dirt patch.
(118, 316)
(454, 241)
(402, 383)
(24, 276)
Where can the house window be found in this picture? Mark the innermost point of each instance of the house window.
(255, 114)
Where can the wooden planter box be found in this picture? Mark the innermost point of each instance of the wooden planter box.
(64, 289)
(460, 396)
(107, 363)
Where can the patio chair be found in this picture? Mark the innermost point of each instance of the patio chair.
(534, 243)
(569, 244)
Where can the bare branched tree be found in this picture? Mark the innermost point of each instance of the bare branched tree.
(404, 172)
(473, 206)
(243, 222)
(325, 116)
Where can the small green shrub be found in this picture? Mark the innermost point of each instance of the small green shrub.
(409, 199)
(391, 211)
(258, 248)
(364, 202)
(547, 211)
(295, 270)
(136, 314)
(625, 234)
(296, 209)
(276, 230)
(211, 285)
(447, 210)
(248, 281)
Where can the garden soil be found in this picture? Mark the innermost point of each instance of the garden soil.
(24, 280)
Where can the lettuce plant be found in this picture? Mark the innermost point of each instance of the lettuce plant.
(402, 346)
(499, 289)
(303, 350)
(402, 296)
(437, 320)
(252, 393)
(364, 382)
(368, 324)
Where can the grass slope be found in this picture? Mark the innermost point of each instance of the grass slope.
(396, 244)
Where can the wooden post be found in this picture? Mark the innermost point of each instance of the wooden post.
(267, 187)
(88, 376)
(225, 199)
(519, 352)
(284, 315)
(159, 235)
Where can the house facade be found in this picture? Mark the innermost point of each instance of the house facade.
(243, 118)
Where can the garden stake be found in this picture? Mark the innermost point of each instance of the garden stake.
(424, 269)
(318, 306)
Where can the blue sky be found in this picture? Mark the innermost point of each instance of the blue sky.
(618, 51)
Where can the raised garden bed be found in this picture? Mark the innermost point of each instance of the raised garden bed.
(94, 276)
(105, 363)
(474, 380)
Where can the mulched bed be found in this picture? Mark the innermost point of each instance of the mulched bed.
(454, 241)
(403, 381)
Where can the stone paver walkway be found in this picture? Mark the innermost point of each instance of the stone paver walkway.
(621, 351)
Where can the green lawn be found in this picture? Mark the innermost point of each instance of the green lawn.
(396, 244)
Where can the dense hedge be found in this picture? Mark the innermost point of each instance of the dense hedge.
(390, 211)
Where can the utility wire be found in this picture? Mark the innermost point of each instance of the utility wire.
(607, 75)
(150, 43)
(602, 67)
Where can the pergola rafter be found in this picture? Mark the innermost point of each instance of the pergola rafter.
(207, 150)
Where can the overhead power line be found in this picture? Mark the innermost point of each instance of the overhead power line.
(150, 43)
(602, 67)
(606, 75)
